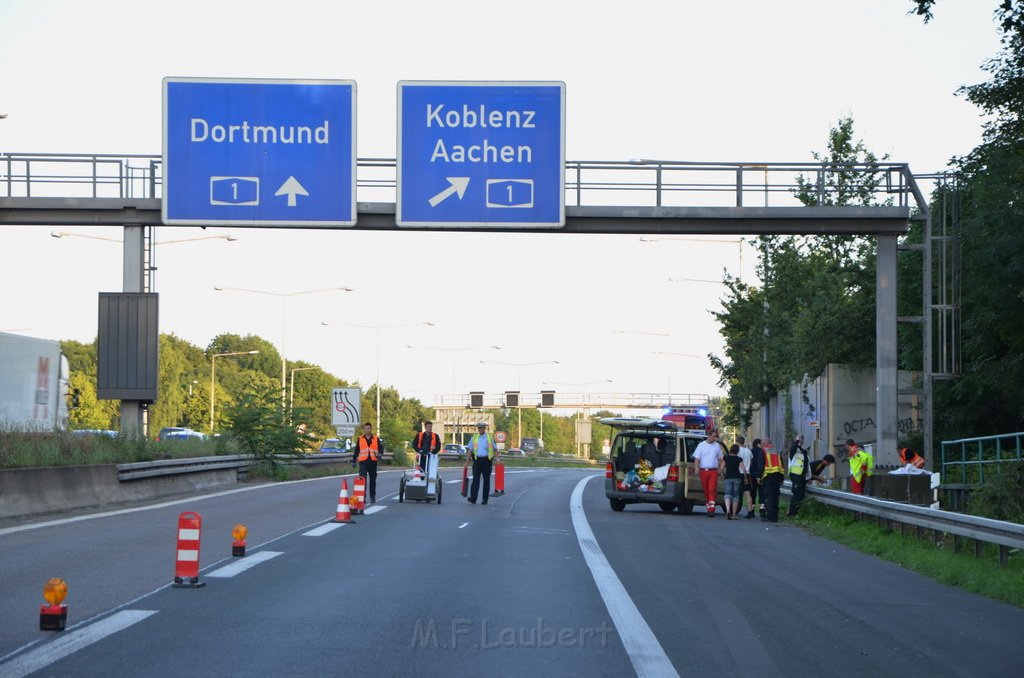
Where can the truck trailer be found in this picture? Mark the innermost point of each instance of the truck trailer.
(33, 384)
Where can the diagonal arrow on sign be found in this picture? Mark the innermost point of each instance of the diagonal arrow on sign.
(456, 185)
(291, 187)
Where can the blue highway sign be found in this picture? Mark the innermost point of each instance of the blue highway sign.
(259, 152)
(481, 154)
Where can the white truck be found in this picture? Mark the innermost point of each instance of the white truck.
(33, 384)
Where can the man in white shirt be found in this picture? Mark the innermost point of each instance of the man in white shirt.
(707, 460)
(747, 456)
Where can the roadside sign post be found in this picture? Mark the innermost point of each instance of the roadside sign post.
(249, 152)
(481, 154)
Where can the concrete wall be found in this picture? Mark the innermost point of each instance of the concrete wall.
(41, 491)
(840, 404)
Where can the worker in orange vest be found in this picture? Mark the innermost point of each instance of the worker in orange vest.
(370, 450)
(908, 456)
(426, 443)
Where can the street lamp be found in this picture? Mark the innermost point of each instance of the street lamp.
(583, 413)
(453, 352)
(213, 372)
(739, 242)
(377, 329)
(65, 234)
(668, 344)
(283, 296)
(457, 424)
(291, 392)
(519, 367)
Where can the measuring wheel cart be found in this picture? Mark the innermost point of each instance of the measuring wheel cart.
(427, 486)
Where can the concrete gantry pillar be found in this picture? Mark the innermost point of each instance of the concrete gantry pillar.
(886, 412)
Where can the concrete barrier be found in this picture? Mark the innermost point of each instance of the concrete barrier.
(41, 491)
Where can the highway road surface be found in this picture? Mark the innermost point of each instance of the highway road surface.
(545, 580)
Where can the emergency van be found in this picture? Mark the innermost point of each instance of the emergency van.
(650, 461)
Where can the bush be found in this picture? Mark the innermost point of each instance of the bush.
(1002, 495)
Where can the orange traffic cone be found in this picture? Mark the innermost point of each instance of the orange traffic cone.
(343, 515)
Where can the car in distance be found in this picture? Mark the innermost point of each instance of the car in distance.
(453, 450)
(182, 434)
(179, 433)
(332, 446)
(532, 445)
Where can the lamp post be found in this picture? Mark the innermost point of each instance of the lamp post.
(377, 329)
(668, 344)
(739, 242)
(291, 390)
(519, 367)
(454, 352)
(283, 296)
(213, 382)
(585, 412)
(147, 265)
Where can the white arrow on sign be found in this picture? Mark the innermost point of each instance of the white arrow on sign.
(291, 187)
(457, 185)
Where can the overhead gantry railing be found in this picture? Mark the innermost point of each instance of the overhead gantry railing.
(635, 196)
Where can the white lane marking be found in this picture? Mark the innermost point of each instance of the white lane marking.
(73, 642)
(243, 564)
(463, 525)
(323, 529)
(370, 510)
(643, 648)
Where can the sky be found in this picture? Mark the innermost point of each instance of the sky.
(743, 81)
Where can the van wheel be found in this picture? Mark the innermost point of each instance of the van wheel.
(686, 508)
(666, 507)
(617, 504)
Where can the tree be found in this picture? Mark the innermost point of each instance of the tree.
(816, 305)
(987, 398)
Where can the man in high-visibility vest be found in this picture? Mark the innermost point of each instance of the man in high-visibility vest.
(862, 465)
(370, 450)
(426, 443)
(482, 450)
(771, 484)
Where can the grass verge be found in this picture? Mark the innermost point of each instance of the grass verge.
(928, 556)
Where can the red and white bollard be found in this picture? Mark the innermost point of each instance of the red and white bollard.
(186, 564)
(343, 513)
(499, 479)
(359, 494)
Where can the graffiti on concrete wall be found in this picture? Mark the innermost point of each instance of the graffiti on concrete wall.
(853, 427)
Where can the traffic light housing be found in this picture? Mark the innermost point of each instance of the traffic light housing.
(547, 398)
(511, 398)
(476, 398)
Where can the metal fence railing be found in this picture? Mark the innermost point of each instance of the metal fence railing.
(969, 461)
(647, 183)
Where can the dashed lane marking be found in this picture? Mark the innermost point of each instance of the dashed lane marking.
(323, 529)
(74, 641)
(239, 566)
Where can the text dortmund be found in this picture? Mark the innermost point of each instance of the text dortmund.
(259, 134)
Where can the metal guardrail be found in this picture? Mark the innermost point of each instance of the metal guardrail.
(982, 530)
(173, 467)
